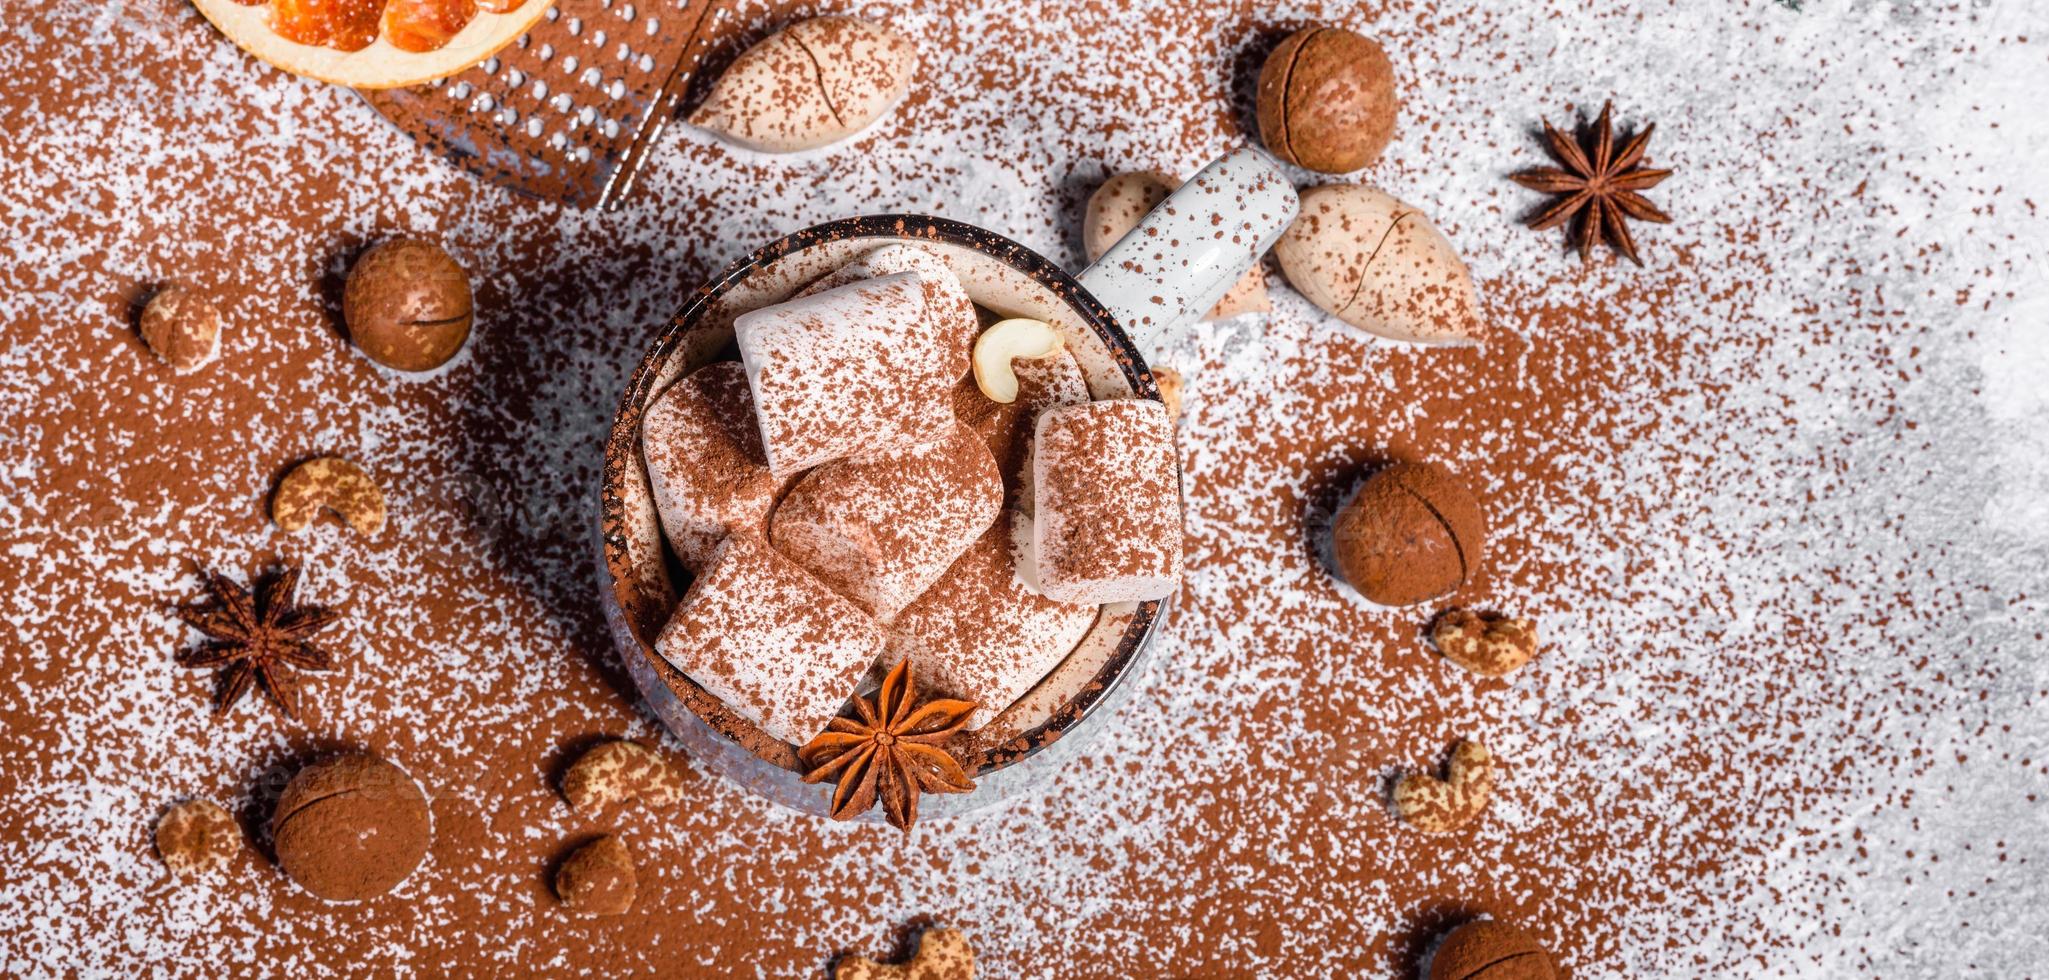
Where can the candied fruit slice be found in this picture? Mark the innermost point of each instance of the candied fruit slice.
(346, 25)
(425, 25)
(500, 6)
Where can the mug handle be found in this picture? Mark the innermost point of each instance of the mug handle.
(1187, 252)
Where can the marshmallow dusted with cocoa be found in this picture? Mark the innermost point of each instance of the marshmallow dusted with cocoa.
(1042, 383)
(952, 313)
(852, 370)
(882, 528)
(773, 643)
(1107, 495)
(978, 634)
(705, 463)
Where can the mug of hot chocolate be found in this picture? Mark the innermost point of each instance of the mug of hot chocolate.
(906, 453)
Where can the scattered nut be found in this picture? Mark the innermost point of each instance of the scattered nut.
(598, 879)
(620, 770)
(1006, 341)
(812, 83)
(1490, 949)
(351, 827)
(943, 954)
(408, 305)
(197, 837)
(1170, 384)
(1440, 806)
(1412, 533)
(330, 483)
(1379, 265)
(1116, 207)
(1488, 644)
(1327, 100)
(182, 327)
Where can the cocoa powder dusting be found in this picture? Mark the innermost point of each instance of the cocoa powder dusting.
(1775, 499)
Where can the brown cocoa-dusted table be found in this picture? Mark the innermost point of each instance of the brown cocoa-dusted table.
(1774, 498)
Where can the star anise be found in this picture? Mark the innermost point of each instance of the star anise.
(1598, 187)
(257, 638)
(892, 751)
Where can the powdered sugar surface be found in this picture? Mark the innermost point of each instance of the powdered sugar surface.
(1776, 501)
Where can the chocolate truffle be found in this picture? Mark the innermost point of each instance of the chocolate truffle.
(351, 827)
(1411, 534)
(1490, 949)
(1326, 100)
(598, 879)
(408, 305)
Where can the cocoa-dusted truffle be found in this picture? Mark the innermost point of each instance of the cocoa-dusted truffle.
(1327, 100)
(1411, 534)
(1490, 949)
(598, 879)
(351, 827)
(408, 305)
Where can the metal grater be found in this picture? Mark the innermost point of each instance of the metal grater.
(568, 111)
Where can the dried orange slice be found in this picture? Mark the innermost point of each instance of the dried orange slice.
(373, 43)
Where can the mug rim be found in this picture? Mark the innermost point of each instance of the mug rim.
(622, 450)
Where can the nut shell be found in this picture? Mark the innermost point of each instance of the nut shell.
(408, 305)
(1381, 266)
(1412, 533)
(1327, 100)
(598, 879)
(1489, 949)
(810, 84)
(182, 327)
(351, 827)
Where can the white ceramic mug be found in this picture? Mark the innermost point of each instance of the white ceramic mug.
(1173, 266)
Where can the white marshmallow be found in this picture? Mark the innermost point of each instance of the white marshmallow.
(881, 529)
(846, 371)
(770, 641)
(704, 461)
(1107, 521)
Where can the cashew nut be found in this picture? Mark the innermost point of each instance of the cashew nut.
(330, 483)
(1008, 340)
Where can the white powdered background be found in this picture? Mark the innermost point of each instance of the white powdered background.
(1854, 448)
